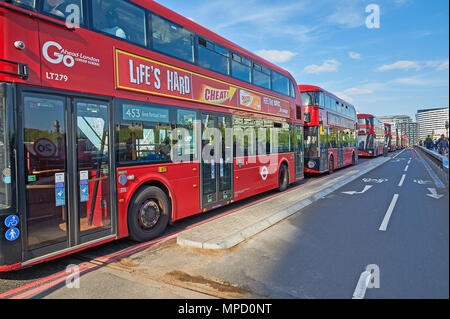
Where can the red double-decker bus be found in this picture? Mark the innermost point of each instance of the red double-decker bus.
(330, 131)
(119, 117)
(371, 136)
(388, 137)
(396, 142)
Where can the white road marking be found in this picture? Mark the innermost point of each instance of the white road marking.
(409, 162)
(399, 153)
(434, 193)
(362, 285)
(402, 180)
(385, 221)
(366, 188)
(406, 168)
(421, 182)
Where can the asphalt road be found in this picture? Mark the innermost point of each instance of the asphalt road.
(322, 251)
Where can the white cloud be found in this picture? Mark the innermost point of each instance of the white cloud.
(356, 91)
(354, 55)
(348, 13)
(348, 93)
(438, 65)
(408, 65)
(400, 65)
(276, 56)
(327, 66)
(443, 66)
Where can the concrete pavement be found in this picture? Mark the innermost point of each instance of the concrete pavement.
(232, 229)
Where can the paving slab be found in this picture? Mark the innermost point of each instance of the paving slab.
(230, 230)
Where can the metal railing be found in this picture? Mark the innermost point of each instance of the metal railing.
(441, 163)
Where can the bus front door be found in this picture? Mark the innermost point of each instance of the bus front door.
(216, 161)
(66, 166)
(298, 150)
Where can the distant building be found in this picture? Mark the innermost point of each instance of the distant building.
(411, 131)
(404, 124)
(395, 119)
(432, 120)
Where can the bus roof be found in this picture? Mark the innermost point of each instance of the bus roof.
(203, 31)
(361, 116)
(314, 88)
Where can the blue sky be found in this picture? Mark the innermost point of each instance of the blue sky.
(398, 68)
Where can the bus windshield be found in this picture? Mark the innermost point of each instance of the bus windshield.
(5, 158)
(365, 121)
(310, 98)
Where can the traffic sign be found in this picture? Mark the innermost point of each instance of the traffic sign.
(11, 221)
(12, 234)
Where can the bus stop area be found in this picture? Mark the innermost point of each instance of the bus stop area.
(230, 230)
(190, 263)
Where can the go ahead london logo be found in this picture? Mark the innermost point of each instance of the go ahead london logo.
(54, 53)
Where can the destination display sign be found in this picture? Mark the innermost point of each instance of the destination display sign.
(139, 74)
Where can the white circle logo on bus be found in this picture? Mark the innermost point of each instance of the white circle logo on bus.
(58, 57)
(264, 173)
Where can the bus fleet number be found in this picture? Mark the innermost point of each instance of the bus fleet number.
(56, 76)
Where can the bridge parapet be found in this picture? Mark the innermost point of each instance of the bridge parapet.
(439, 163)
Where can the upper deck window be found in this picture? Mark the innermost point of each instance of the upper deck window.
(280, 83)
(69, 10)
(213, 56)
(241, 68)
(261, 76)
(120, 19)
(28, 4)
(172, 39)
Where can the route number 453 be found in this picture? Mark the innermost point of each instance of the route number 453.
(133, 113)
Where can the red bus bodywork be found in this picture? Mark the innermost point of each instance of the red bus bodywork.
(388, 137)
(101, 71)
(371, 136)
(322, 122)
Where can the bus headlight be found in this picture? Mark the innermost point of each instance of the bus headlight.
(311, 164)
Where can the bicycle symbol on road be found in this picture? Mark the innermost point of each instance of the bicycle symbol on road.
(378, 181)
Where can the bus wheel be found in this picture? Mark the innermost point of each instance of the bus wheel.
(149, 214)
(331, 165)
(283, 178)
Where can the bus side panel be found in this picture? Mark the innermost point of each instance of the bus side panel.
(184, 191)
(255, 174)
(70, 60)
(348, 156)
(14, 27)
